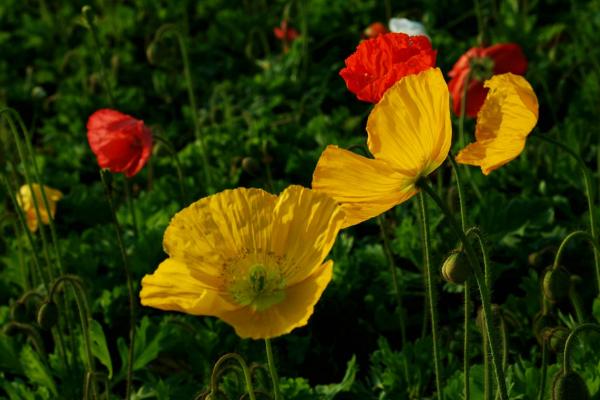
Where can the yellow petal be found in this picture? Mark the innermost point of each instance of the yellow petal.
(508, 115)
(221, 227)
(27, 202)
(305, 225)
(294, 311)
(175, 286)
(364, 187)
(410, 127)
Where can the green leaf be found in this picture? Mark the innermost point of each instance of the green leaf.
(596, 309)
(328, 392)
(35, 369)
(99, 346)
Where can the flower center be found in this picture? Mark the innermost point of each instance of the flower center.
(482, 68)
(257, 284)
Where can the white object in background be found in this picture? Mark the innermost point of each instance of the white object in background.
(403, 25)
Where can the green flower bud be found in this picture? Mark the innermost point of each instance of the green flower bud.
(47, 315)
(569, 386)
(250, 165)
(456, 268)
(18, 312)
(541, 322)
(556, 338)
(556, 284)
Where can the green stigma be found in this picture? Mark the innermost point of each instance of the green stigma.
(260, 288)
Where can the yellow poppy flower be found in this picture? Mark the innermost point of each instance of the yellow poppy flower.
(250, 258)
(508, 115)
(409, 134)
(25, 201)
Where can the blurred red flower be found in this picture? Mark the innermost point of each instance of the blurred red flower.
(120, 142)
(480, 64)
(375, 29)
(282, 32)
(380, 62)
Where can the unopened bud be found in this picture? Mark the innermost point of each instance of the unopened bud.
(556, 284)
(250, 165)
(456, 268)
(540, 323)
(556, 338)
(47, 315)
(569, 386)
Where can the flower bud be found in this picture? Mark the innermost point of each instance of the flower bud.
(18, 312)
(47, 315)
(556, 338)
(556, 284)
(250, 165)
(456, 268)
(569, 386)
(541, 322)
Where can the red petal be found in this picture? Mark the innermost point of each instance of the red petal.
(508, 57)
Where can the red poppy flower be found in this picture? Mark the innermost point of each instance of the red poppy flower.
(379, 63)
(482, 63)
(284, 33)
(120, 142)
(375, 29)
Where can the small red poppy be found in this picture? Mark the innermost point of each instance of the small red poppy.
(284, 33)
(480, 64)
(120, 142)
(375, 29)
(380, 62)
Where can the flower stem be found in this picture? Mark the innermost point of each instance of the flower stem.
(245, 369)
(121, 244)
(587, 181)
(272, 369)
(569, 344)
(483, 288)
(175, 158)
(542, 387)
(431, 293)
(388, 252)
(170, 28)
(131, 207)
(88, 16)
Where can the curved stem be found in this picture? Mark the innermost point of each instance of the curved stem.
(272, 369)
(569, 344)
(542, 385)
(431, 293)
(84, 315)
(390, 257)
(483, 289)
(126, 269)
(160, 33)
(175, 158)
(87, 14)
(247, 376)
(567, 239)
(587, 181)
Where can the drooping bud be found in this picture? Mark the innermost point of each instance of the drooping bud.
(456, 268)
(18, 312)
(556, 284)
(541, 322)
(556, 338)
(250, 165)
(569, 386)
(47, 315)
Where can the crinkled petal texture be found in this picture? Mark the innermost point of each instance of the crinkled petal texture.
(410, 127)
(120, 142)
(506, 57)
(409, 136)
(25, 199)
(253, 259)
(508, 115)
(380, 62)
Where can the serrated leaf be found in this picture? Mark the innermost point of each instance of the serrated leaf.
(328, 392)
(35, 369)
(99, 346)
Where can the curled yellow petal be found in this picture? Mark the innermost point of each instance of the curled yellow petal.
(28, 200)
(508, 115)
(364, 187)
(410, 127)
